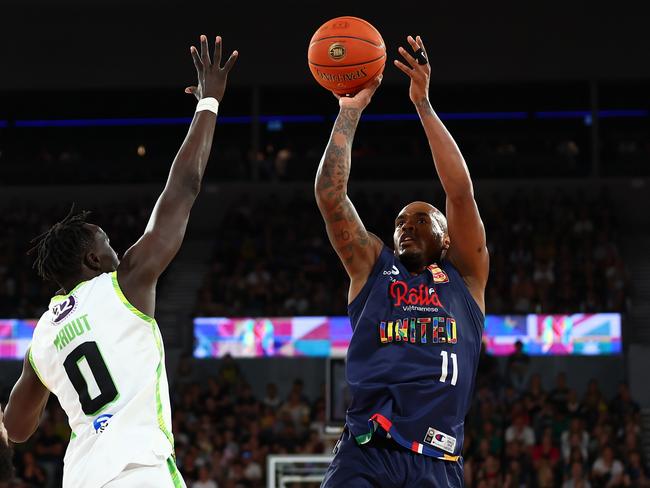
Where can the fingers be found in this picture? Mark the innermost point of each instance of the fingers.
(205, 57)
(197, 61)
(407, 57)
(231, 61)
(421, 44)
(372, 86)
(404, 68)
(414, 45)
(375, 83)
(193, 90)
(216, 59)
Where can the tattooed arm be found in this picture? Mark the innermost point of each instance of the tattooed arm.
(468, 250)
(357, 248)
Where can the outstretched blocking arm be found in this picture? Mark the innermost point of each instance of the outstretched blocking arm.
(26, 403)
(468, 250)
(145, 261)
(357, 248)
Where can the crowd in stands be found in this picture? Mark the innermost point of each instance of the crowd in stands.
(22, 292)
(550, 253)
(515, 436)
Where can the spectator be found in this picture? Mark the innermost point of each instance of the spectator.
(559, 395)
(577, 478)
(520, 432)
(271, 399)
(606, 470)
(546, 452)
(622, 405)
(204, 480)
(518, 364)
(636, 474)
(574, 437)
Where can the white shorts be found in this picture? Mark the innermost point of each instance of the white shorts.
(164, 475)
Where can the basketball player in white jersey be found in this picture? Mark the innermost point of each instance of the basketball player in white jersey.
(98, 347)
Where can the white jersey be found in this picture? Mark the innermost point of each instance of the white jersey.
(105, 362)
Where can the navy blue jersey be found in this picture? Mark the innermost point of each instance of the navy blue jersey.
(413, 356)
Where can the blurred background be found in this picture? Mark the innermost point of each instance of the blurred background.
(549, 104)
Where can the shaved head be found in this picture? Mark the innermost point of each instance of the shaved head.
(435, 214)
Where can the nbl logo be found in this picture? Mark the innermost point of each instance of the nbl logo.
(61, 310)
(337, 51)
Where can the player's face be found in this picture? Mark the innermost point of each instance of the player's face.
(107, 257)
(419, 236)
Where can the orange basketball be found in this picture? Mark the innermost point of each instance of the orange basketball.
(345, 54)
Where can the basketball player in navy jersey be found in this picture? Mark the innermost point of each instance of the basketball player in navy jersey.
(416, 311)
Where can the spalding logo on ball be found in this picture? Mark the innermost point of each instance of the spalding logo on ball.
(345, 54)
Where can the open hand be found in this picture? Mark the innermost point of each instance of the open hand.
(419, 73)
(361, 99)
(211, 76)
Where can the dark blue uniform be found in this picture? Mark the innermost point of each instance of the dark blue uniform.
(411, 366)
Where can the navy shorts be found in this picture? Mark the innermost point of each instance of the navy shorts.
(381, 463)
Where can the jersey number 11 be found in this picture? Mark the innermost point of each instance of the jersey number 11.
(445, 367)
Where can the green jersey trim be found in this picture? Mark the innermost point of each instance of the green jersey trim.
(159, 371)
(363, 438)
(173, 472)
(31, 361)
(60, 298)
(125, 301)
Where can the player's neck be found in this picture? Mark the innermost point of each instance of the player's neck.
(414, 265)
(68, 285)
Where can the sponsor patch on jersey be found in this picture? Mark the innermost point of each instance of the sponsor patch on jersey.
(62, 309)
(439, 276)
(440, 440)
(392, 271)
(101, 422)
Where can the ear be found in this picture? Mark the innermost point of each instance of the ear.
(92, 261)
(446, 242)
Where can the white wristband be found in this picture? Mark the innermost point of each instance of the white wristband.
(208, 103)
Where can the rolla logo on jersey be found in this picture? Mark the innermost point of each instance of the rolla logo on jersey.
(422, 295)
(435, 329)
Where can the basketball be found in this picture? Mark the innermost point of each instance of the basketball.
(345, 54)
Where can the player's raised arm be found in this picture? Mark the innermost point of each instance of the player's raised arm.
(357, 248)
(145, 261)
(467, 251)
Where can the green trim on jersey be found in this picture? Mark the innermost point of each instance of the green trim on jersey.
(31, 361)
(159, 369)
(363, 438)
(60, 298)
(73, 436)
(125, 301)
(173, 472)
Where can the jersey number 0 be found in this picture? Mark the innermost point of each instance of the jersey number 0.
(95, 365)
